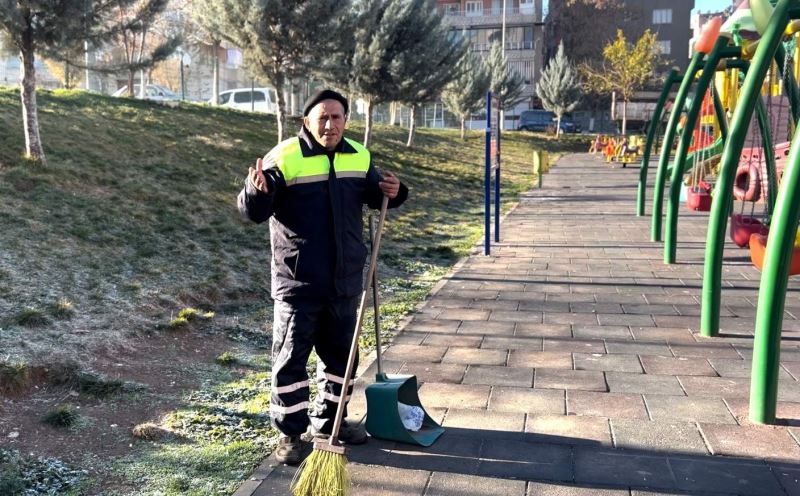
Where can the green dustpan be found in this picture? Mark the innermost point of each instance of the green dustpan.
(383, 418)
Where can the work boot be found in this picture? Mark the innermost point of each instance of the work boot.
(288, 450)
(349, 433)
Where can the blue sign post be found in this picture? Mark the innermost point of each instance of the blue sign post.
(487, 180)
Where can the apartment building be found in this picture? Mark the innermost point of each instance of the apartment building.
(481, 22)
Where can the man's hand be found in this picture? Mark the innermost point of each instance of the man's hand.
(256, 177)
(390, 184)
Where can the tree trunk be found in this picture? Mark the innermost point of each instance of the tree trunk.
(30, 116)
(66, 76)
(624, 115)
(142, 85)
(281, 108)
(412, 125)
(215, 83)
(558, 125)
(368, 124)
(131, 94)
(393, 113)
(463, 127)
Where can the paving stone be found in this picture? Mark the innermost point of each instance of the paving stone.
(415, 353)
(526, 329)
(372, 480)
(721, 387)
(599, 308)
(526, 460)
(692, 409)
(486, 423)
(650, 309)
(433, 394)
(727, 367)
(453, 340)
(569, 379)
(527, 400)
(408, 337)
(724, 475)
(610, 405)
(553, 489)
(516, 316)
(600, 466)
(623, 382)
(570, 318)
(512, 343)
(521, 296)
(792, 368)
(658, 436)
(665, 334)
(637, 348)
(625, 319)
(499, 376)
(545, 306)
(756, 441)
(705, 350)
(464, 314)
(433, 325)
(449, 484)
(678, 365)
(440, 302)
(789, 478)
(574, 345)
(606, 362)
(540, 359)
(472, 356)
(488, 328)
(495, 305)
(601, 332)
(569, 429)
(435, 372)
(503, 286)
(787, 413)
(450, 453)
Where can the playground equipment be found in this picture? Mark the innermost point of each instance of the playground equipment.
(782, 26)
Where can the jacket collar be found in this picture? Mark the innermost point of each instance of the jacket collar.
(309, 146)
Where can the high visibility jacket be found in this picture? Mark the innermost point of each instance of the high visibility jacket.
(314, 206)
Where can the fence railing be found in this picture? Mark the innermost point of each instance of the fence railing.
(493, 11)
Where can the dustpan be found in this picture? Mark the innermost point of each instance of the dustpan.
(383, 396)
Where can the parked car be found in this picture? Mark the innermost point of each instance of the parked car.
(152, 92)
(247, 99)
(544, 120)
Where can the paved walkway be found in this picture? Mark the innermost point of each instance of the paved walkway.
(568, 363)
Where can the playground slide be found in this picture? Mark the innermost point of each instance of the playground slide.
(710, 153)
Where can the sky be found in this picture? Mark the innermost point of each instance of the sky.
(711, 5)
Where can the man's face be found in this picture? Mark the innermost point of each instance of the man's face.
(326, 123)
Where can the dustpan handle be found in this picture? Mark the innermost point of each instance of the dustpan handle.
(376, 303)
(351, 359)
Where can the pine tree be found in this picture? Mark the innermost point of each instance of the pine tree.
(33, 26)
(281, 40)
(466, 94)
(507, 85)
(399, 51)
(559, 87)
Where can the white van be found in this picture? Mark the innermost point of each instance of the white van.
(247, 99)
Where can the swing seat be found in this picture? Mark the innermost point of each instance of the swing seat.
(383, 418)
(698, 198)
(747, 183)
(758, 248)
(742, 227)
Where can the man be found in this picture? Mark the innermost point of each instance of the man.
(312, 189)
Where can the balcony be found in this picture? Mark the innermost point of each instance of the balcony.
(510, 45)
(463, 18)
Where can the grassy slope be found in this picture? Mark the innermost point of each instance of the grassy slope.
(134, 218)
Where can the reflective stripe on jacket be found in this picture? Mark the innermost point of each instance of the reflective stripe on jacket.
(315, 215)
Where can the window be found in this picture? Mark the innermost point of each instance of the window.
(474, 8)
(244, 96)
(452, 8)
(665, 47)
(224, 97)
(526, 7)
(662, 16)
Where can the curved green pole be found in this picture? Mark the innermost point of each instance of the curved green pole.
(672, 78)
(772, 293)
(764, 124)
(675, 184)
(791, 84)
(722, 119)
(666, 147)
(720, 207)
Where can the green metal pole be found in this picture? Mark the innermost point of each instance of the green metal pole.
(675, 183)
(666, 147)
(720, 207)
(673, 77)
(764, 124)
(722, 119)
(772, 292)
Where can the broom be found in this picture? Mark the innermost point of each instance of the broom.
(324, 471)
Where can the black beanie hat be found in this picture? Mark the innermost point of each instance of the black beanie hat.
(325, 94)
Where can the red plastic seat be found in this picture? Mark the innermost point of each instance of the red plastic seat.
(699, 198)
(742, 227)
